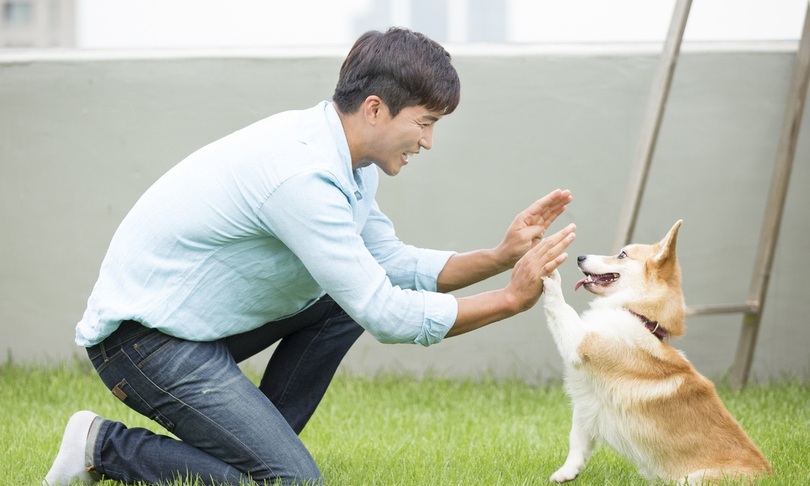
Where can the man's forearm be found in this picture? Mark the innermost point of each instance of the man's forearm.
(522, 291)
(479, 310)
(464, 269)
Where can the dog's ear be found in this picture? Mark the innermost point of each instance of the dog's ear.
(666, 251)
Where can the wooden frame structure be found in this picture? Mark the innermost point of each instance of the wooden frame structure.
(753, 307)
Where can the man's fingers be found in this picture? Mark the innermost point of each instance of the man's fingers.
(545, 210)
(552, 247)
(554, 201)
(560, 236)
(541, 261)
(549, 267)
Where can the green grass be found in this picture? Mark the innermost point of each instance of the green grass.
(402, 431)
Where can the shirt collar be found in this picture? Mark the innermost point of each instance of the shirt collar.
(342, 145)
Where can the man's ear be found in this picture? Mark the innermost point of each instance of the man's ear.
(372, 109)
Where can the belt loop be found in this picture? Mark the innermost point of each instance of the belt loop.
(103, 349)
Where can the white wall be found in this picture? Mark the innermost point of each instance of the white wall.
(126, 24)
(81, 137)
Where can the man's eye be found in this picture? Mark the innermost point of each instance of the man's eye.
(622, 255)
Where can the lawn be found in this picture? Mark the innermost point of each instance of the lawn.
(394, 430)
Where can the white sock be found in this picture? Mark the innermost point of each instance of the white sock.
(70, 466)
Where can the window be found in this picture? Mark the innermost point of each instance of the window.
(17, 13)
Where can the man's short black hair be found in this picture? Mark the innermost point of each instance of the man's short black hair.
(402, 67)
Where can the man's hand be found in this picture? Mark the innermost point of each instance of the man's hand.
(529, 227)
(525, 232)
(540, 261)
(523, 290)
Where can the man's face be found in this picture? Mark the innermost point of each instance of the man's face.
(397, 138)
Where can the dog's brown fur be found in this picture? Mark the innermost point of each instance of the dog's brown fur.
(633, 390)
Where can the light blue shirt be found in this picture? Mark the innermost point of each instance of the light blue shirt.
(256, 227)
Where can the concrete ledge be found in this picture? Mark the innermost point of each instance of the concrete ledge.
(11, 56)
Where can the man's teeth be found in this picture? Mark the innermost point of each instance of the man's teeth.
(406, 156)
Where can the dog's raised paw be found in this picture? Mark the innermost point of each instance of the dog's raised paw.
(552, 283)
(554, 277)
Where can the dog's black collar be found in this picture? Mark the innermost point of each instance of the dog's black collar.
(653, 327)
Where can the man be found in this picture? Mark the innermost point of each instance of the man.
(272, 234)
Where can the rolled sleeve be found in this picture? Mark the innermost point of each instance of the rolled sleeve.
(428, 268)
(443, 310)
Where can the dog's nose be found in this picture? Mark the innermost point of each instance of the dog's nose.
(581, 258)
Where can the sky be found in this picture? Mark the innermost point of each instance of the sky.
(126, 24)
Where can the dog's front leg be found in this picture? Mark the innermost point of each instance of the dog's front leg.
(565, 325)
(568, 331)
(580, 448)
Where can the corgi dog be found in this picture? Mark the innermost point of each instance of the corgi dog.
(629, 388)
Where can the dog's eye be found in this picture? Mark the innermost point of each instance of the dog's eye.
(622, 255)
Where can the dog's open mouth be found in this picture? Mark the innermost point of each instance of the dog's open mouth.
(592, 279)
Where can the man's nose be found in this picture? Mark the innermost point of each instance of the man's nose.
(426, 142)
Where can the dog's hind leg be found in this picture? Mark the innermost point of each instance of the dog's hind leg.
(580, 448)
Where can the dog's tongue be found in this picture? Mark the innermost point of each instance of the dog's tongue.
(582, 282)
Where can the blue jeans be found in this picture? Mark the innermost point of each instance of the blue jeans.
(229, 429)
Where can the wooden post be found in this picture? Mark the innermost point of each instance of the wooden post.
(652, 123)
(775, 207)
